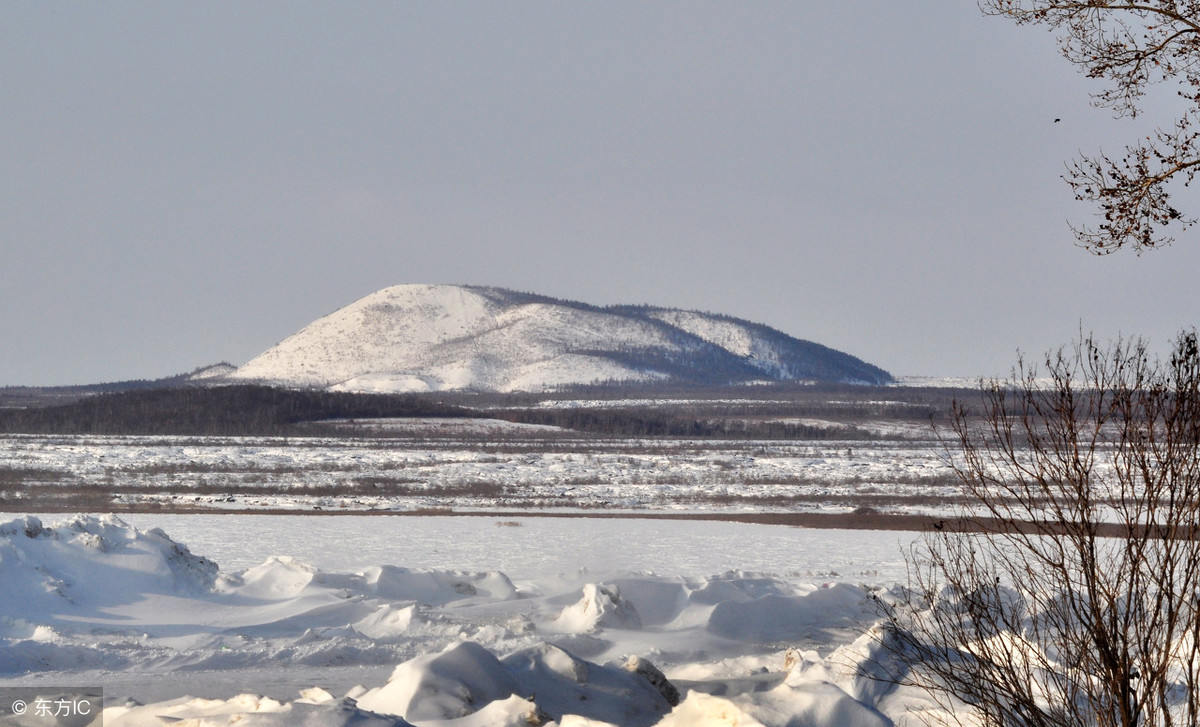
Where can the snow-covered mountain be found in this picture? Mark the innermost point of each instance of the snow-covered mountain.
(441, 337)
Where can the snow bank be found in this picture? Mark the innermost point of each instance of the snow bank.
(94, 592)
(90, 597)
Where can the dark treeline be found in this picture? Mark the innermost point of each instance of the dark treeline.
(719, 412)
(827, 399)
(19, 397)
(216, 411)
(641, 422)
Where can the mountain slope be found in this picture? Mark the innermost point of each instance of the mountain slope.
(437, 337)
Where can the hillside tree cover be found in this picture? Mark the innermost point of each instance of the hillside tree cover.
(1130, 46)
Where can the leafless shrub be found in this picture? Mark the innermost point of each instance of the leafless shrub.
(1034, 616)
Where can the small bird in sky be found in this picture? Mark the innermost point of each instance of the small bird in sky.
(1057, 120)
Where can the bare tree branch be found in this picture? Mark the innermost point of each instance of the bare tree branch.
(1129, 46)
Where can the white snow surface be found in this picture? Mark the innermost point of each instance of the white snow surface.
(418, 338)
(175, 638)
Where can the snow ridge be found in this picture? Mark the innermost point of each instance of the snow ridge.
(411, 338)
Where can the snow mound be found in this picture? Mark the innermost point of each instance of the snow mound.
(704, 710)
(388, 623)
(562, 684)
(435, 588)
(87, 563)
(548, 683)
(815, 703)
(657, 601)
(448, 685)
(600, 607)
(277, 577)
(777, 618)
(738, 587)
(511, 712)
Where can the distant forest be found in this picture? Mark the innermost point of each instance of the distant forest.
(255, 410)
(648, 422)
(214, 411)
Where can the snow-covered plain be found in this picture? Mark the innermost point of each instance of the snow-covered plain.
(364, 620)
(485, 465)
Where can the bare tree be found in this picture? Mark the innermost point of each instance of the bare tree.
(1069, 594)
(1131, 45)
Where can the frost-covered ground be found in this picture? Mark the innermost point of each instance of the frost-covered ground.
(473, 465)
(455, 622)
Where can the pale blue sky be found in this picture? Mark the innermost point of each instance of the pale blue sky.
(190, 182)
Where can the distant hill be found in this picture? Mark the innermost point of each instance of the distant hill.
(19, 397)
(413, 338)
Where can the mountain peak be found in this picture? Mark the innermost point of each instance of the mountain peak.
(420, 337)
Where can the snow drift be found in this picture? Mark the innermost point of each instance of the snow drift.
(90, 597)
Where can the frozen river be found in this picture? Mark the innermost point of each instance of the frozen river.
(537, 546)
